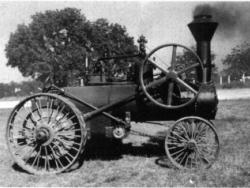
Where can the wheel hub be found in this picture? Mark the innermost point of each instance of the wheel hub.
(191, 144)
(119, 132)
(172, 74)
(44, 135)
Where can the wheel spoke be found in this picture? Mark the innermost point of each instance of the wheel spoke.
(170, 93)
(184, 130)
(51, 109)
(198, 129)
(38, 109)
(184, 156)
(184, 84)
(175, 144)
(65, 142)
(68, 146)
(69, 119)
(156, 83)
(60, 112)
(180, 137)
(30, 116)
(196, 159)
(173, 61)
(186, 162)
(47, 165)
(66, 157)
(63, 119)
(57, 160)
(178, 151)
(205, 129)
(174, 139)
(203, 158)
(39, 112)
(178, 156)
(71, 156)
(69, 127)
(68, 132)
(188, 68)
(193, 127)
(158, 66)
(191, 161)
(38, 154)
(57, 111)
(202, 132)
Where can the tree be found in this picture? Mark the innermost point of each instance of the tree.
(237, 62)
(110, 40)
(62, 38)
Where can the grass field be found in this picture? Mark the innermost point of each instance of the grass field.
(135, 164)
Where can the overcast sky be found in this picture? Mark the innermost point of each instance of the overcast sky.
(160, 22)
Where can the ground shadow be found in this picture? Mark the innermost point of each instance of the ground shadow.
(16, 167)
(102, 148)
(99, 147)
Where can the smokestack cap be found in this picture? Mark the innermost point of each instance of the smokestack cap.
(203, 27)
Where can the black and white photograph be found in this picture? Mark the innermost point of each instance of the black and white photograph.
(125, 93)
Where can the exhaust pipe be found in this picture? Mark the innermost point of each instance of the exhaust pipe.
(203, 28)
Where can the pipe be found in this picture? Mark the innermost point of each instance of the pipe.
(203, 28)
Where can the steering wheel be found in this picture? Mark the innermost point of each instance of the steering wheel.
(170, 77)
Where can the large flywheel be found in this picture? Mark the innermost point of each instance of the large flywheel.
(168, 79)
(45, 134)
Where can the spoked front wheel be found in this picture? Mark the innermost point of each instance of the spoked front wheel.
(45, 134)
(192, 143)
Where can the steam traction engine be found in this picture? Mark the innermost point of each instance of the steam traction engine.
(47, 132)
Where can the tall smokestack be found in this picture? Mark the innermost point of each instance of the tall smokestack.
(203, 28)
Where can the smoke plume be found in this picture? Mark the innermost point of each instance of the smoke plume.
(233, 17)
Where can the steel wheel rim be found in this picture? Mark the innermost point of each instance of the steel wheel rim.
(50, 138)
(194, 154)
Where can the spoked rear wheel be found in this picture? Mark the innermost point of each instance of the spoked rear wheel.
(192, 143)
(45, 134)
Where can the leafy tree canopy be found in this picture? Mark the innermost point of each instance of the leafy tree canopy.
(237, 62)
(62, 39)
